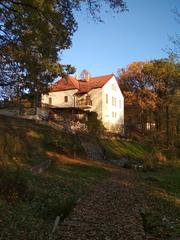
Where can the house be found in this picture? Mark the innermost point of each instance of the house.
(99, 94)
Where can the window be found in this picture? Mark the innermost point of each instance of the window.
(107, 98)
(113, 101)
(50, 101)
(119, 103)
(113, 87)
(114, 114)
(65, 98)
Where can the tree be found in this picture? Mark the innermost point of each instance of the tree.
(164, 77)
(175, 40)
(140, 101)
(32, 35)
(95, 126)
(151, 91)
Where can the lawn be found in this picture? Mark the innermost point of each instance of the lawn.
(162, 215)
(30, 202)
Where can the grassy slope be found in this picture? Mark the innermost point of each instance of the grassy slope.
(29, 143)
(54, 192)
(116, 149)
(32, 209)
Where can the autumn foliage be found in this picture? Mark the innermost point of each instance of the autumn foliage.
(151, 91)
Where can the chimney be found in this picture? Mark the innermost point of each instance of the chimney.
(87, 76)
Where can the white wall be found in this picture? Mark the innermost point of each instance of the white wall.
(96, 97)
(112, 115)
(58, 98)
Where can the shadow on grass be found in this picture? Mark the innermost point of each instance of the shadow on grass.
(52, 193)
(161, 217)
(118, 148)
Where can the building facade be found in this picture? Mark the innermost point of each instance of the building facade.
(99, 94)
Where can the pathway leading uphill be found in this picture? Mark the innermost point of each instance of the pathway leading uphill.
(109, 212)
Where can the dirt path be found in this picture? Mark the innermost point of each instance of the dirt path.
(109, 212)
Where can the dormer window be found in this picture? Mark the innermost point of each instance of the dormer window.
(65, 98)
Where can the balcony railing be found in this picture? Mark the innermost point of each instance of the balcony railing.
(84, 103)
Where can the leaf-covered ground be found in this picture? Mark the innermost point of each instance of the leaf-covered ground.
(111, 211)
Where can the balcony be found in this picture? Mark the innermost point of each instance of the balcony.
(84, 103)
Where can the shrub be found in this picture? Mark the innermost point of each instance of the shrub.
(151, 162)
(94, 125)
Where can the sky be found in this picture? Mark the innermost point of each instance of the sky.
(137, 35)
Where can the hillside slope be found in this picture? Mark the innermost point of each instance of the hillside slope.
(26, 142)
(30, 202)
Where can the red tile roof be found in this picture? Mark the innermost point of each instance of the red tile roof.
(67, 83)
(82, 86)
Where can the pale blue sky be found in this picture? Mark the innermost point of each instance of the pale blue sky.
(140, 34)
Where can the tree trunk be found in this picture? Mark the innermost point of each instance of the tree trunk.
(19, 103)
(157, 120)
(35, 102)
(167, 125)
